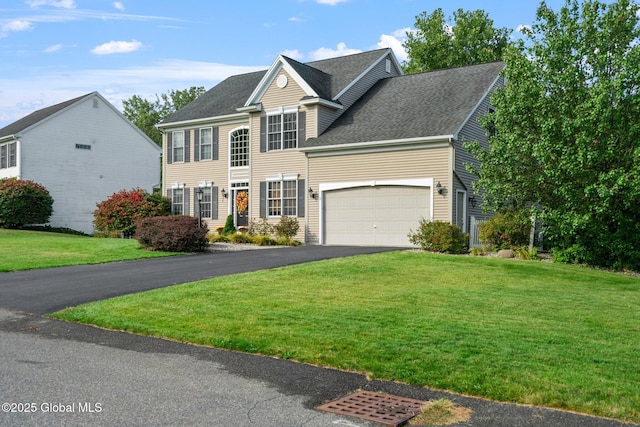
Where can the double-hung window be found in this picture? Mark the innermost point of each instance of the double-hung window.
(282, 198)
(8, 155)
(205, 204)
(282, 130)
(206, 144)
(177, 140)
(177, 201)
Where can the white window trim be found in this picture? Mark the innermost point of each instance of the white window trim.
(200, 144)
(282, 178)
(173, 146)
(281, 111)
(231, 132)
(463, 227)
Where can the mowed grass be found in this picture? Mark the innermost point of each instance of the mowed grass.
(25, 250)
(514, 331)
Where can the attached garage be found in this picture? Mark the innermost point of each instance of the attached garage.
(374, 215)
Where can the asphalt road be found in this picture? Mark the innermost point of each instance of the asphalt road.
(75, 375)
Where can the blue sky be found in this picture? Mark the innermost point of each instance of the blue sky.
(55, 50)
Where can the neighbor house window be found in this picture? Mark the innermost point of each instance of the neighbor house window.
(178, 146)
(205, 204)
(282, 131)
(177, 201)
(206, 144)
(240, 148)
(8, 155)
(282, 198)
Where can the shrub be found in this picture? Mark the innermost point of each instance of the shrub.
(228, 226)
(173, 233)
(523, 252)
(508, 229)
(240, 238)
(439, 236)
(120, 212)
(264, 240)
(260, 227)
(23, 202)
(287, 227)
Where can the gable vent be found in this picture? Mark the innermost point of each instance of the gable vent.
(83, 147)
(95, 103)
(388, 66)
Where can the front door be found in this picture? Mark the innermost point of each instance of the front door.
(241, 207)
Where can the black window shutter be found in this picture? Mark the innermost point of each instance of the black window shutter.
(169, 147)
(214, 137)
(214, 202)
(301, 197)
(263, 134)
(196, 145)
(187, 145)
(185, 202)
(302, 128)
(263, 199)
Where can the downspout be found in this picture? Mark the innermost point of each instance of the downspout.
(306, 201)
(451, 190)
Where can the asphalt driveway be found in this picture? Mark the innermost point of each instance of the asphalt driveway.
(49, 290)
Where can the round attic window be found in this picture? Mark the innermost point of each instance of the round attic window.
(281, 81)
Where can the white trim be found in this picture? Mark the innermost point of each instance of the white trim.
(205, 184)
(250, 109)
(464, 210)
(272, 73)
(322, 188)
(213, 121)
(282, 110)
(321, 101)
(177, 185)
(229, 145)
(388, 145)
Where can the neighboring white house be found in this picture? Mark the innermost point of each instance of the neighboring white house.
(82, 151)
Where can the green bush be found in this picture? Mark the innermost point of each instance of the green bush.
(173, 233)
(439, 236)
(261, 227)
(523, 252)
(23, 202)
(119, 213)
(287, 227)
(508, 229)
(240, 238)
(229, 227)
(264, 240)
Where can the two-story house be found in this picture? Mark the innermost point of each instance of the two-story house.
(356, 150)
(82, 151)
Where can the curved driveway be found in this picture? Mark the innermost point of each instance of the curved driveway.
(49, 290)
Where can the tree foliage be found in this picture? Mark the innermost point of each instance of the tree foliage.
(120, 212)
(23, 202)
(436, 44)
(567, 134)
(146, 114)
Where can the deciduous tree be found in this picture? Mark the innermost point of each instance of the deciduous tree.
(567, 131)
(437, 43)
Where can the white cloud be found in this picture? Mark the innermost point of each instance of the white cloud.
(394, 41)
(118, 5)
(296, 19)
(66, 4)
(293, 54)
(17, 25)
(117, 47)
(331, 2)
(53, 48)
(325, 53)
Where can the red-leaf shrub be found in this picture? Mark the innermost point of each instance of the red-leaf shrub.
(119, 213)
(23, 202)
(174, 233)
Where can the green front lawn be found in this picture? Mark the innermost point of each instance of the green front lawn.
(515, 331)
(25, 250)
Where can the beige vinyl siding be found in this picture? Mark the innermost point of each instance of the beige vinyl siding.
(289, 95)
(355, 92)
(394, 165)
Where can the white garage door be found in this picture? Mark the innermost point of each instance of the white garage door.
(375, 216)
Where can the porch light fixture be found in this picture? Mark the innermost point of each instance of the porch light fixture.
(473, 201)
(224, 193)
(439, 188)
(313, 195)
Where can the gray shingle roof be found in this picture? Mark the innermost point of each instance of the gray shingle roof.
(220, 100)
(412, 106)
(327, 78)
(37, 116)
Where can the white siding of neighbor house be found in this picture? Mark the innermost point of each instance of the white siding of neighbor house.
(120, 158)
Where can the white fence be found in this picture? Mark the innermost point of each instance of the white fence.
(474, 241)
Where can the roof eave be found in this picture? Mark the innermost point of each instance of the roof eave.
(203, 120)
(377, 144)
(321, 101)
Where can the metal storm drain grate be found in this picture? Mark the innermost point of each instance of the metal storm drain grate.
(385, 409)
